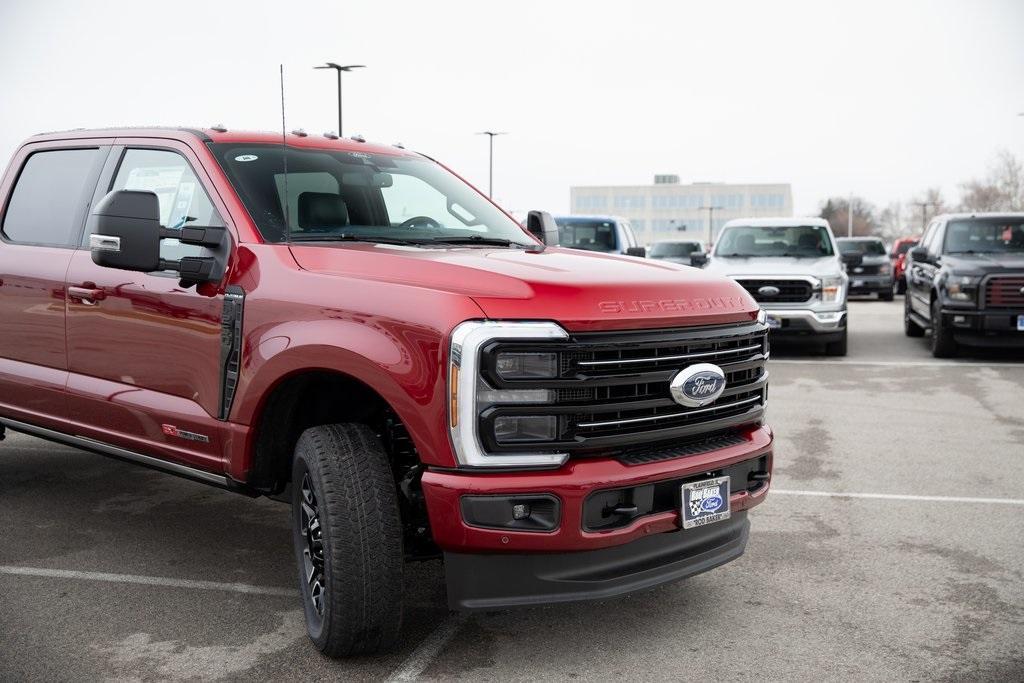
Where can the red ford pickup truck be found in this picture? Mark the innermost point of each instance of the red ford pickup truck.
(354, 328)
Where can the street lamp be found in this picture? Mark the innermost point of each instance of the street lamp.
(339, 69)
(491, 134)
(924, 213)
(711, 212)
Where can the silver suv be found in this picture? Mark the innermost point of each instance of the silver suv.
(791, 266)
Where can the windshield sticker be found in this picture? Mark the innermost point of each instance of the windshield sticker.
(360, 155)
(246, 157)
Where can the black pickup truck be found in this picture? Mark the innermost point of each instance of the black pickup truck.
(965, 282)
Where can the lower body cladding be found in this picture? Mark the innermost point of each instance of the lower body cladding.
(592, 529)
(987, 328)
(799, 322)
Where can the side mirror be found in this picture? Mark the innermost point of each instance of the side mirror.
(126, 235)
(698, 259)
(636, 251)
(541, 225)
(919, 254)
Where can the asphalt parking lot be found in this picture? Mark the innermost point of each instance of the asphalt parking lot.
(109, 571)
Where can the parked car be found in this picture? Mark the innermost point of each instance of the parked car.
(898, 254)
(370, 338)
(871, 271)
(791, 267)
(608, 234)
(965, 282)
(687, 252)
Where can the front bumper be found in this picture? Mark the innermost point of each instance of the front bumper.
(495, 581)
(987, 328)
(572, 484)
(804, 321)
(870, 284)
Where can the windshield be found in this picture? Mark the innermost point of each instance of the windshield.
(334, 194)
(592, 234)
(673, 249)
(753, 241)
(985, 236)
(864, 247)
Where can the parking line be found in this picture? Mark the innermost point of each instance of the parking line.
(894, 496)
(417, 662)
(894, 363)
(149, 581)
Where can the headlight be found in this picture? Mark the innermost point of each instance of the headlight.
(962, 287)
(527, 365)
(469, 394)
(831, 289)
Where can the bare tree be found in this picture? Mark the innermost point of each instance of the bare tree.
(926, 206)
(836, 211)
(891, 221)
(1001, 190)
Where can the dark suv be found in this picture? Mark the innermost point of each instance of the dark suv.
(966, 282)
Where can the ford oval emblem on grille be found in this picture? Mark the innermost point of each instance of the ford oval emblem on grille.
(697, 385)
(768, 290)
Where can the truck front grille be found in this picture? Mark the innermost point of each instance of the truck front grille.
(1005, 291)
(612, 393)
(790, 291)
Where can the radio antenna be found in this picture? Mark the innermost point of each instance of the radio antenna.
(284, 158)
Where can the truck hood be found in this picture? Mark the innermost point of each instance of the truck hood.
(581, 290)
(775, 265)
(984, 264)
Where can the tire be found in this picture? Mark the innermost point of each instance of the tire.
(901, 286)
(910, 328)
(836, 348)
(887, 295)
(943, 344)
(346, 526)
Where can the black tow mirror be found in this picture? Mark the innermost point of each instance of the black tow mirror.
(919, 254)
(698, 259)
(636, 251)
(541, 225)
(126, 235)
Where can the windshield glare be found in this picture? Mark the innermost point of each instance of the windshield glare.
(587, 233)
(985, 235)
(864, 247)
(754, 241)
(673, 249)
(335, 194)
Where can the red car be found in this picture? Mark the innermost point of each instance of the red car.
(354, 328)
(898, 254)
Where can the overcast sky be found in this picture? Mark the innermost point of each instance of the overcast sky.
(879, 98)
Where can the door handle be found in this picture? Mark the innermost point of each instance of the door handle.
(87, 295)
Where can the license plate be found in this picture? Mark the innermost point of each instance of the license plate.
(1020, 323)
(773, 322)
(857, 283)
(705, 502)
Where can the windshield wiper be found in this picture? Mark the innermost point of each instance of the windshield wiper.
(345, 237)
(736, 255)
(476, 239)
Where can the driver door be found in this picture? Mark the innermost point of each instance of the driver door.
(143, 351)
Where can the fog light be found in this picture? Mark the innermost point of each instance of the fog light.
(527, 512)
(520, 511)
(518, 428)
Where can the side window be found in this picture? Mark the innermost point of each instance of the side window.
(182, 199)
(49, 200)
(409, 197)
(929, 237)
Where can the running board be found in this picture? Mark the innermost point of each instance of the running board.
(120, 453)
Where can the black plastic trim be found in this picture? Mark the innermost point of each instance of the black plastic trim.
(230, 346)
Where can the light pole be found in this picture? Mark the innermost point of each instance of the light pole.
(924, 213)
(711, 213)
(339, 68)
(849, 216)
(491, 134)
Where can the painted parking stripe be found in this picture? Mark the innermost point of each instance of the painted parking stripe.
(894, 363)
(895, 496)
(417, 662)
(149, 581)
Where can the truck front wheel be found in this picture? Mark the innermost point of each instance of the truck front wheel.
(348, 540)
(838, 347)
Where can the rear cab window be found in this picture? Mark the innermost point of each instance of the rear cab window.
(591, 234)
(48, 204)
